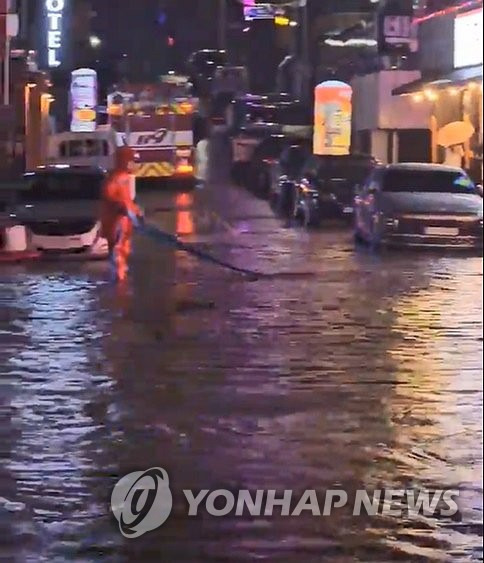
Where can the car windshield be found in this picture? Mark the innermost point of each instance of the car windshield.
(63, 187)
(284, 115)
(433, 181)
(341, 168)
(212, 59)
(272, 148)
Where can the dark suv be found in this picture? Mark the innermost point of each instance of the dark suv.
(326, 188)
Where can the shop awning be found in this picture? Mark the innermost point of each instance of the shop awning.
(456, 77)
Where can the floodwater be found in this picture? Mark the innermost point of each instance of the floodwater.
(365, 375)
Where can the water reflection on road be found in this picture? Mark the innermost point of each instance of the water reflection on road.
(367, 374)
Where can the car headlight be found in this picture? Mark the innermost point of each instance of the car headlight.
(392, 222)
(308, 191)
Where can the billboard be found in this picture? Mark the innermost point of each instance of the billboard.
(83, 100)
(468, 39)
(332, 118)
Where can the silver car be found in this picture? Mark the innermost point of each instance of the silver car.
(418, 205)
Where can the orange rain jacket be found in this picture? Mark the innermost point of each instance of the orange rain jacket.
(116, 199)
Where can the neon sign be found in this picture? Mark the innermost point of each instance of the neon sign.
(54, 30)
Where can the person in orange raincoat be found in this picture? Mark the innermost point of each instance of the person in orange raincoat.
(119, 212)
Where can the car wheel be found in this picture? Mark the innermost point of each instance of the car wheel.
(286, 201)
(311, 218)
(237, 173)
(358, 237)
(375, 238)
(274, 201)
(262, 185)
(297, 212)
(229, 117)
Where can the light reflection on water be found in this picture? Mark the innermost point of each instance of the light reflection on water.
(368, 374)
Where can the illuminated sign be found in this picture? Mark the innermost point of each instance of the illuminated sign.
(85, 115)
(282, 20)
(259, 12)
(468, 39)
(397, 29)
(54, 31)
(332, 118)
(83, 100)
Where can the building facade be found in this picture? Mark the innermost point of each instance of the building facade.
(450, 49)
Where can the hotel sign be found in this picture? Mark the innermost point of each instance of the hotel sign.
(54, 12)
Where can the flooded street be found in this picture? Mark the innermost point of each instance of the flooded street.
(365, 375)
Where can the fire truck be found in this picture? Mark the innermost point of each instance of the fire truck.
(157, 122)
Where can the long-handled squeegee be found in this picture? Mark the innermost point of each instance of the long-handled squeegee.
(172, 240)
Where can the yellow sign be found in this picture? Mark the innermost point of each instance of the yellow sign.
(281, 20)
(332, 118)
(85, 115)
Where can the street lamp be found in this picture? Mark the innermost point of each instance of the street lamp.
(94, 41)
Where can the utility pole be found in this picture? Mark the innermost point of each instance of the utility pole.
(11, 22)
(303, 21)
(4, 37)
(6, 73)
(222, 24)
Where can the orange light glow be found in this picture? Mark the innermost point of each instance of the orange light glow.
(184, 223)
(184, 169)
(186, 107)
(115, 109)
(184, 200)
(86, 115)
(431, 95)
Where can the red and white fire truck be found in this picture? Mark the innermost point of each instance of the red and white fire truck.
(157, 122)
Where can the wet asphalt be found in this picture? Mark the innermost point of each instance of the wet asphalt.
(347, 370)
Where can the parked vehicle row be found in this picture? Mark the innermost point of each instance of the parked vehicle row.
(412, 204)
(268, 119)
(324, 188)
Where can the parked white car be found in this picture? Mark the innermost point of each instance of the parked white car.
(59, 207)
